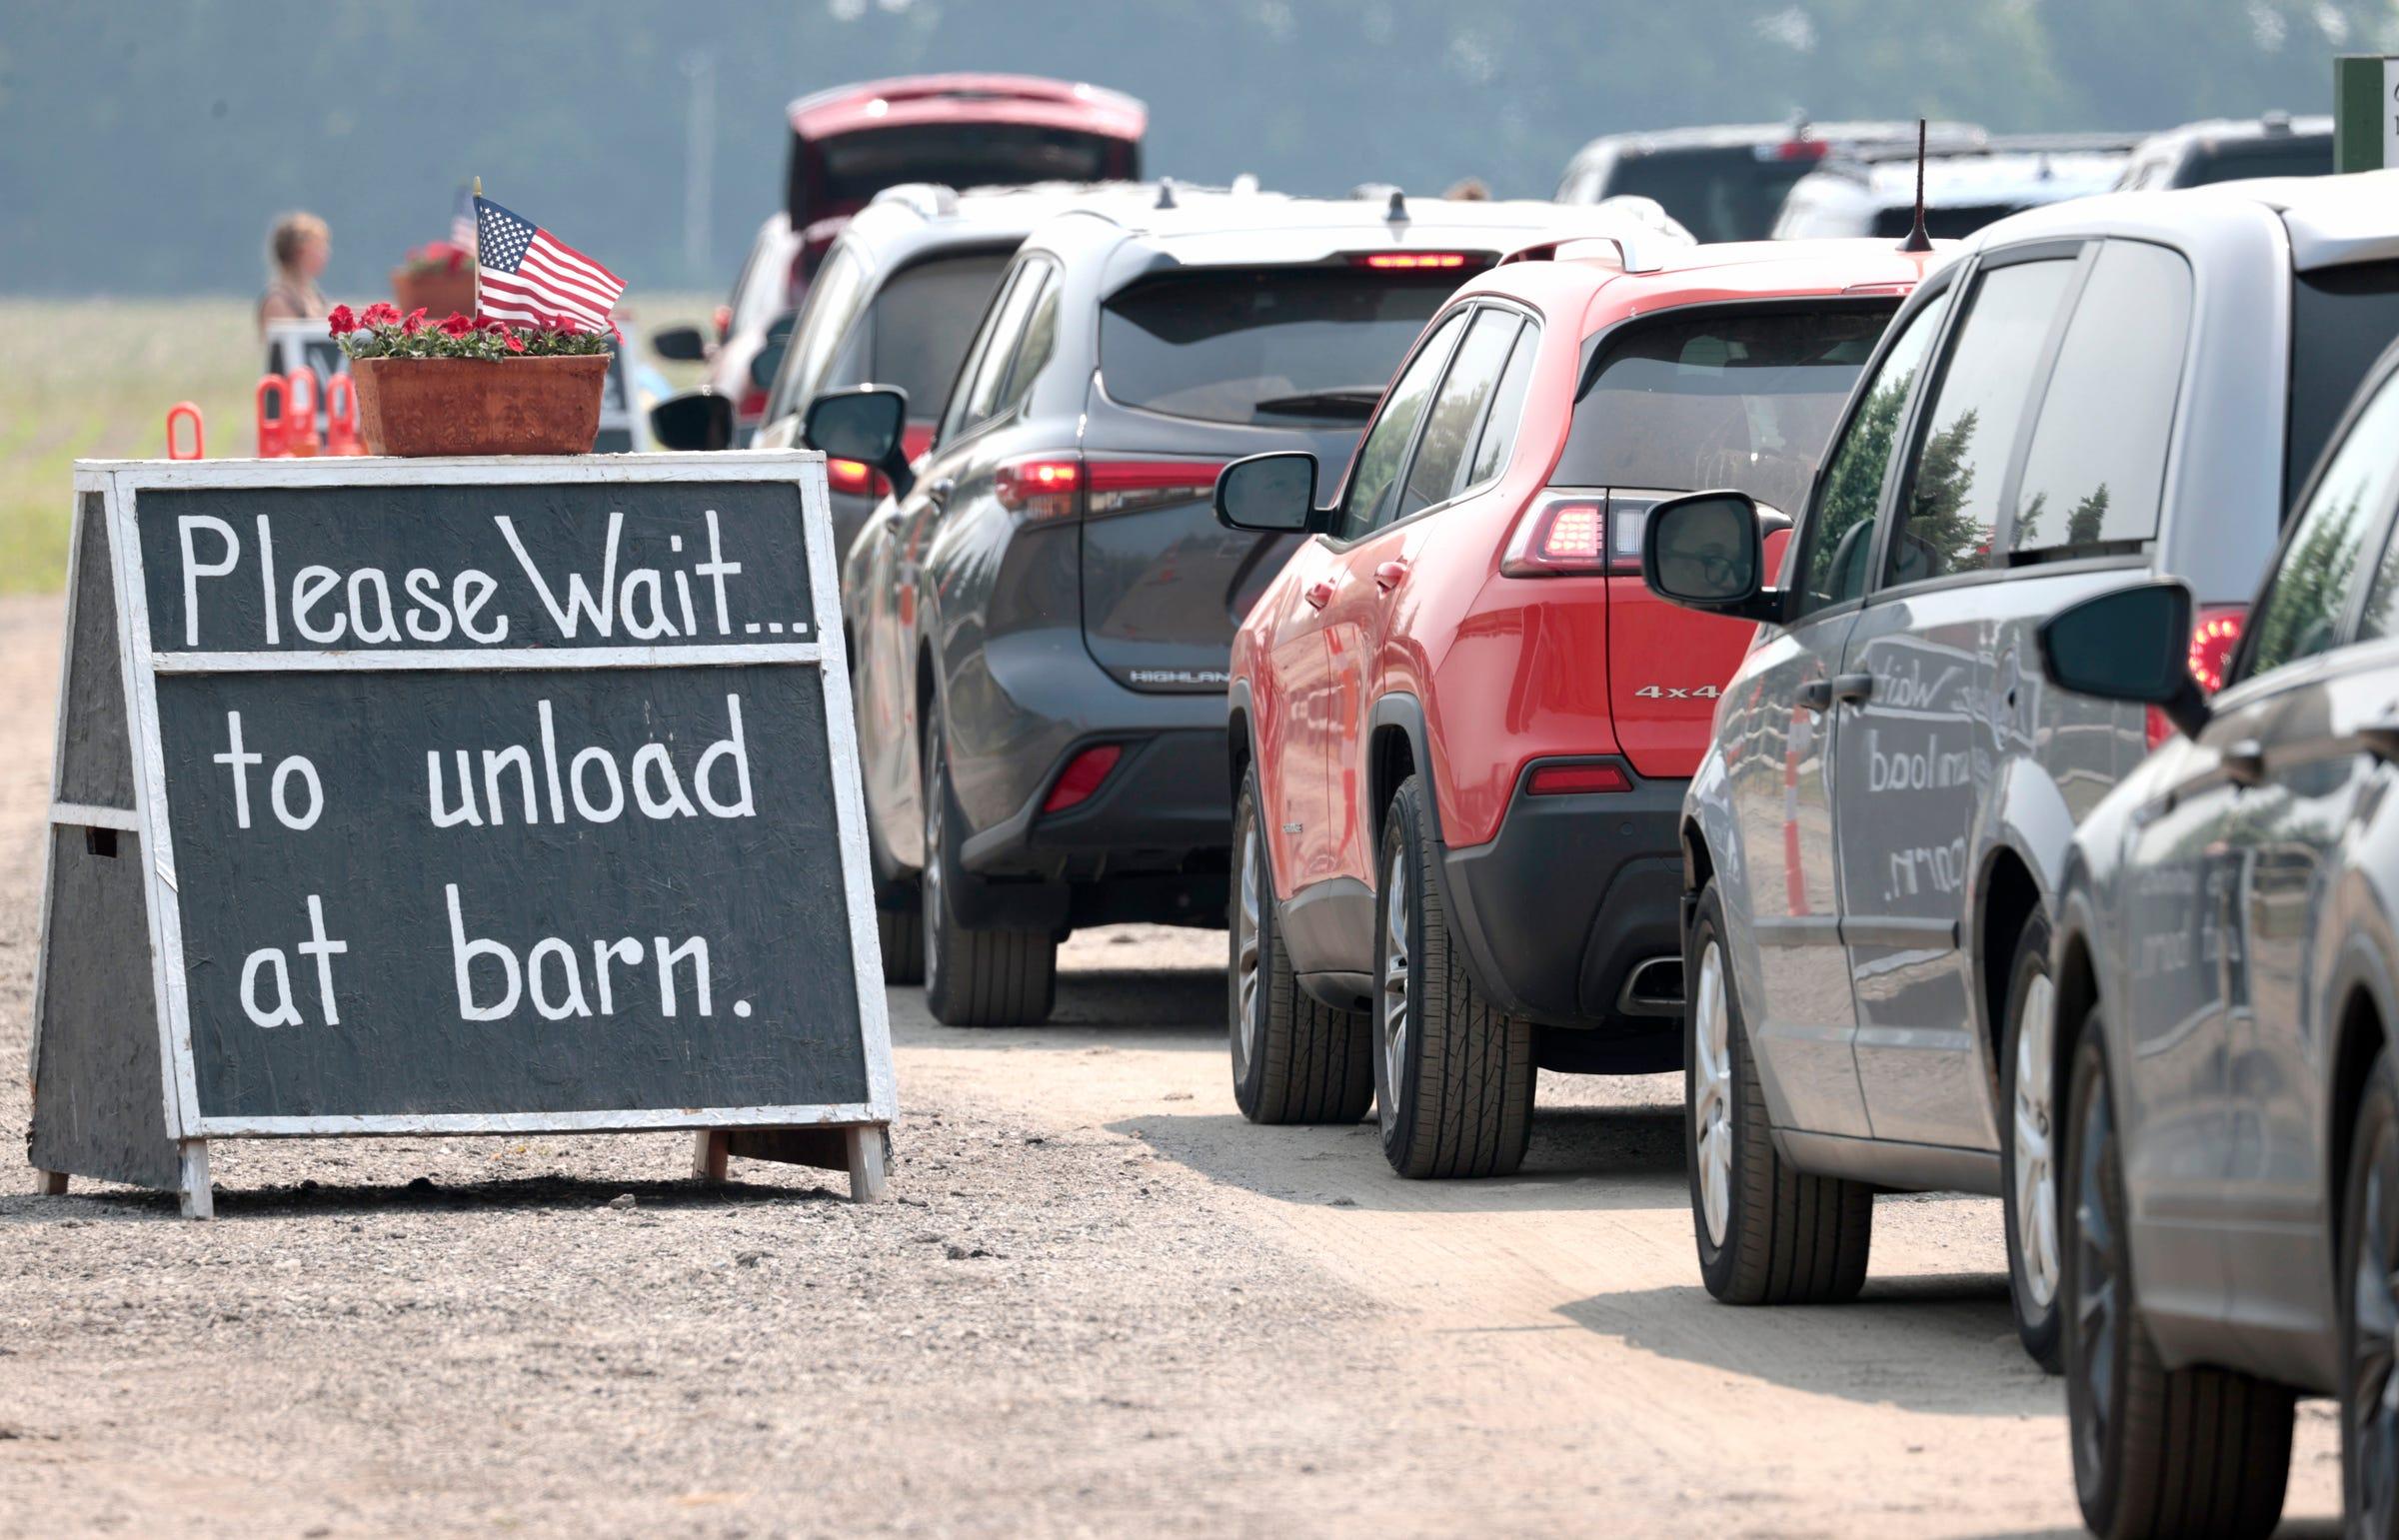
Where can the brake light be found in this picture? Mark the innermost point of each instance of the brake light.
(2214, 637)
(1409, 261)
(1575, 780)
(1801, 150)
(1564, 535)
(1083, 776)
(855, 477)
(1041, 488)
(753, 403)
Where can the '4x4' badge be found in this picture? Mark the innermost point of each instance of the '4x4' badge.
(1676, 692)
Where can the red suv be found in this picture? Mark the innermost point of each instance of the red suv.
(1461, 727)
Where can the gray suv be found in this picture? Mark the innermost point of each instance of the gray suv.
(2091, 395)
(1040, 623)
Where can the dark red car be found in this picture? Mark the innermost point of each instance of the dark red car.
(1462, 725)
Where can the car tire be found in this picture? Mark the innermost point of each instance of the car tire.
(902, 932)
(2029, 1142)
(2370, 1309)
(1769, 1233)
(2157, 1452)
(1453, 1074)
(1294, 1058)
(972, 978)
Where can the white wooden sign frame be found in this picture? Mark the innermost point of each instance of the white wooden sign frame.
(120, 483)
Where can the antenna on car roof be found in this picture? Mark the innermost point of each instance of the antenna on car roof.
(1398, 209)
(1917, 240)
(1165, 193)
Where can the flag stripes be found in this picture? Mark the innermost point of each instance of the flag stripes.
(527, 275)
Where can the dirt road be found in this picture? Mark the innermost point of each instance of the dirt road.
(1100, 1304)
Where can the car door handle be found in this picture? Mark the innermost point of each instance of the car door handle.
(1390, 574)
(1319, 593)
(1852, 687)
(938, 493)
(1815, 695)
(2244, 762)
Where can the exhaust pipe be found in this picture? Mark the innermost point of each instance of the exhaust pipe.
(1653, 988)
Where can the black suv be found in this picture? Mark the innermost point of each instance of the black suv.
(1041, 621)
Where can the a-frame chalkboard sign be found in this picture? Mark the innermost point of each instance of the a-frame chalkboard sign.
(461, 796)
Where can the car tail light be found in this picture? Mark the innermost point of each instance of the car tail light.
(1132, 486)
(1575, 780)
(723, 320)
(855, 477)
(753, 403)
(1409, 261)
(2214, 636)
(1801, 150)
(1083, 776)
(1564, 535)
(1041, 487)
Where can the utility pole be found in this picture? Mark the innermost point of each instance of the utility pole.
(699, 159)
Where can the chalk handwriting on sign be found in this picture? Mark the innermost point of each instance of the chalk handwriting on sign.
(259, 576)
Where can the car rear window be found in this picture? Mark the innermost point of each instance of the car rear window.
(2341, 320)
(854, 167)
(923, 318)
(2259, 158)
(1744, 399)
(1270, 346)
(1719, 195)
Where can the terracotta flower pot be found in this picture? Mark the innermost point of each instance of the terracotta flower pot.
(461, 406)
(437, 292)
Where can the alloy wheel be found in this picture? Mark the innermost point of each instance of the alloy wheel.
(1394, 980)
(2099, 1296)
(2035, 1163)
(2373, 1409)
(1247, 956)
(1711, 1119)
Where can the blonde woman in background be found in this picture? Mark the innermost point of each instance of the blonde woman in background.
(298, 248)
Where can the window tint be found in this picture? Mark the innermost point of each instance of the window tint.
(2301, 613)
(1952, 494)
(994, 351)
(2341, 320)
(1280, 347)
(1838, 538)
(1377, 465)
(980, 351)
(1032, 349)
(922, 318)
(1744, 399)
(1449, 426)
(833, 305)
(2098, 458)
(1507, 409)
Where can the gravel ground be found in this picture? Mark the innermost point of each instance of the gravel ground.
(1098, 1303)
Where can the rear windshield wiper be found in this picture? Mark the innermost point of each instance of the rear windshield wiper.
(1348, 401)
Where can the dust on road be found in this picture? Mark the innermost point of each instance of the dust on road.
(1100, 1304)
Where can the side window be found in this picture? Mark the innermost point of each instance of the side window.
(975, 396)
(1508, 409)
(954, 410)
(1951, 504)
(2300, 615)
(1457, 409)
(830, 309)
(1834, 547)
(1377, 466)
(1032, 348)
(2097, 462)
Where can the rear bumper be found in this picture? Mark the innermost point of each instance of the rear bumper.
(1164, 799)
(1570, 915)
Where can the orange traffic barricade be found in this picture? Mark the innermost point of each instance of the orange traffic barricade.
(186, 412)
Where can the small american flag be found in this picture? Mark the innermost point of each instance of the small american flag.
(529, 276)
(461, 221)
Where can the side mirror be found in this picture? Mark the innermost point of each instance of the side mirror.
(767, 362)
(1271, 494)
(693, 420)
(1706, 552)
(2129, 645)
(678, 343)
(868, 424)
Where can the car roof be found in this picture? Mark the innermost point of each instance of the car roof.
(925, 215)
(1733, 136)
(968, 98)
(1715, 271)
(2329, 221)
(1259, 229)
(2209, 131)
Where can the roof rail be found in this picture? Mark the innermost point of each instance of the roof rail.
(932, 200)
(1582, 247)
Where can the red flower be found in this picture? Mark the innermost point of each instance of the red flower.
(491, 324)
(380, 314)
(458, 259)
(515, 343)
(457, 325)
(341, 322)
(415, 321)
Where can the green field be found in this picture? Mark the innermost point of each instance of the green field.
(93, 379)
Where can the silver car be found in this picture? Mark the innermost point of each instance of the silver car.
(2093, 394)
